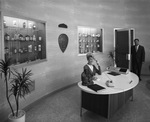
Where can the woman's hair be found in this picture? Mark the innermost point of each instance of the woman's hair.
(89, 55)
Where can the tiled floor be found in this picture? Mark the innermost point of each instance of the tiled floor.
(64, 106)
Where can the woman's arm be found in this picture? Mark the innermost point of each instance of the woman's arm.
(86, 76)
(85, 80)
(98, 71)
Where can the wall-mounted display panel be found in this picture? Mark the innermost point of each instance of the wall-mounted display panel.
(90, 39)
(24, 40)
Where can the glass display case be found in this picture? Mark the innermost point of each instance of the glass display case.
(24, 40)
(90, 40)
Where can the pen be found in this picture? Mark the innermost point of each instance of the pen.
(130, 82)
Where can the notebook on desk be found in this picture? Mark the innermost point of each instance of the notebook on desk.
(113, 73)
(119, 70)
(95, 87)
(123, 70)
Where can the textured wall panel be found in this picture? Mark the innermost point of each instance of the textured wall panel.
(62, 69)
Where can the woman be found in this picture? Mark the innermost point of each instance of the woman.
(90, 70)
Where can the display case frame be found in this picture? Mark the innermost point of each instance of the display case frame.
(90, 39)
(23, 39)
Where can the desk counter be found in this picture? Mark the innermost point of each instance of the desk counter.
(107, 101)
(122, 83)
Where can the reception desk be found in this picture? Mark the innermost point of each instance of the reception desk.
(107, 101)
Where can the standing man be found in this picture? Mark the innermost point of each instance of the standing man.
(138, 57)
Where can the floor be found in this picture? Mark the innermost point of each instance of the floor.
(64, 106)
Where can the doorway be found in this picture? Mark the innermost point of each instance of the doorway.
(123, 41)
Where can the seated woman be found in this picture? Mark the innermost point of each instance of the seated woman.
(90, 70)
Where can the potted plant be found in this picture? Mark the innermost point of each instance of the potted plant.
(17, 85)
(111, 55)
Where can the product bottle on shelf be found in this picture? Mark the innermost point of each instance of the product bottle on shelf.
(34, 38)
(39, 48)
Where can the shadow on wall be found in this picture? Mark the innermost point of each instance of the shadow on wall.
(148, 81)
(145, 68)
(148, 84)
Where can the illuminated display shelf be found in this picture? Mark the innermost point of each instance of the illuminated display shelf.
(24, 40)
(90, 40)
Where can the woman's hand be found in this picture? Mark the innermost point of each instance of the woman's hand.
(94, 78)
(97, 62)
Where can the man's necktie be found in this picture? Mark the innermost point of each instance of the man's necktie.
(136, 48)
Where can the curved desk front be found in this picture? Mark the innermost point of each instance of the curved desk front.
(107, 101)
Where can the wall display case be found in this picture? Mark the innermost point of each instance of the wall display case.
(24, 40)
(90, 40)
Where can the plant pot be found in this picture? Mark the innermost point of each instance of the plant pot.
(20, 118)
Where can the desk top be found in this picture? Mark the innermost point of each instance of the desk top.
(122, 83)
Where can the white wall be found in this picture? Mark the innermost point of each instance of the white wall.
(62, 69)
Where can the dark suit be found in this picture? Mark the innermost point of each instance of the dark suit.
(87, 74)
(137, 58)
